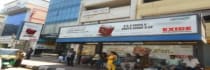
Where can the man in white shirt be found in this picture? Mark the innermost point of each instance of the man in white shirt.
(173, 62)
(191, 63)
(70, 57)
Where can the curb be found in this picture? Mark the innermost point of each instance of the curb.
(41, 67)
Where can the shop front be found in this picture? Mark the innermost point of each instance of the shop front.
(179, 35)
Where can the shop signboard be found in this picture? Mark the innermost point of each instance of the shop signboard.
(95, 11)
(6, 39)
(160, 26)
(31, 31)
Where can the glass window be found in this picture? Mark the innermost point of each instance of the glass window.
(148, 1)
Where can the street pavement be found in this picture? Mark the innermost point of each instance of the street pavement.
(18, 68)
(51, 62)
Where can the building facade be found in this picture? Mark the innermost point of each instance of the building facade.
(2, 19)
(60, 13)
(165, 27)
(166, 8)
(19, 12)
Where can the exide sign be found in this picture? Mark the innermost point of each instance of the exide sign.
(177, 29)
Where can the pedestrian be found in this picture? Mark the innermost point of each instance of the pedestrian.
(112, 57)
(103, 59)
(172, 63)
(19, 58)
(138, 60)
(95, 59)
(192, 63)
(128, 62)
(29, 52)
(70, 57)
(146, 61)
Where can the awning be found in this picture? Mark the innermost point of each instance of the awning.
(188, 37)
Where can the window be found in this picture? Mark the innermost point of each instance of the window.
(63, 10)
(148, 1)
(207, 18)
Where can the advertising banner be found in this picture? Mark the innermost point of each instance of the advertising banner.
(31, 31)
(164, 51)
(121, 50)
(88, 50)
(6, 39)
(161, 26)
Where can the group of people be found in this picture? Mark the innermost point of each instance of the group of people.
(68, 57)
(191, 63)
(113, 61)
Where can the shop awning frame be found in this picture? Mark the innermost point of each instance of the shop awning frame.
(173, 38)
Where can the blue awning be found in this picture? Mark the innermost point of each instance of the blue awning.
(187, 37)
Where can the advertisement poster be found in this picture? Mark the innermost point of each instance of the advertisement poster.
(6, 39)
(88, 50)
(161, 26)
(120, 49)
(31, 31)
(164, 51)
(157, 51)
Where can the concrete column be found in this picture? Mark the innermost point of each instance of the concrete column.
(99, 48)
(201, 51)
(79, 53)
(138, 14)
(133, 10)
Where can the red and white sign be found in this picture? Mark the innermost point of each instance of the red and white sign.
(161, 26)
(31, 31)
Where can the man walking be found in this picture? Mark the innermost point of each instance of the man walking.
(29, 52)
(70, 57)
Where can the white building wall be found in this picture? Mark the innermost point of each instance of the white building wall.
(107, 10)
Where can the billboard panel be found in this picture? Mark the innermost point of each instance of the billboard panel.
(31, 31)
(161, 26)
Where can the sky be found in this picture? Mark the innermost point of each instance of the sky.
(2, 2)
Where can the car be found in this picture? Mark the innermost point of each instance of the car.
(10, 57)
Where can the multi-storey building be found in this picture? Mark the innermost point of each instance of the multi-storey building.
(165, 27)
(166, 8)
(60, 13)
(19, 12)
